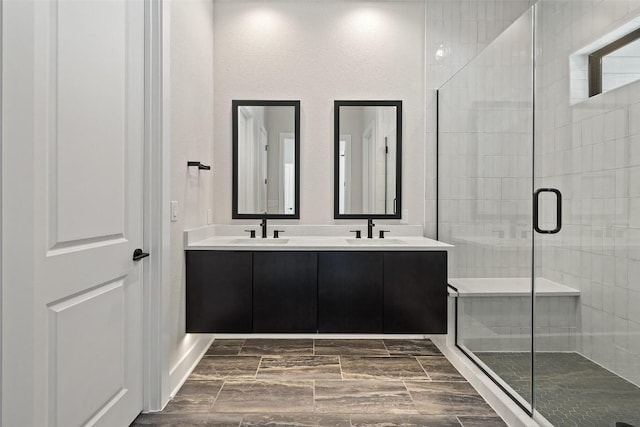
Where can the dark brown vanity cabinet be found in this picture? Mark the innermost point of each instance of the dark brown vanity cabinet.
(308, 292)
(285, 292)
(219, 291)
(415, 292)
(350, 293)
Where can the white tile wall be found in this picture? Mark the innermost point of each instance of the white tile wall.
(456, 31)
(589, 150)
(485, 154)
(504, 323)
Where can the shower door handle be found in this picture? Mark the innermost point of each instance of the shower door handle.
(536, 196)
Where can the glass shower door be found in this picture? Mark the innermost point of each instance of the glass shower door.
(587, 257)
(485, 157)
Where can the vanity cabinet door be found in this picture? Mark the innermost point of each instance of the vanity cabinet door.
(415, 292)
(285, 292)
(350, 292)
(219, 291)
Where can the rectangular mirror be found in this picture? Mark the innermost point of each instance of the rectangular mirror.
(266, 159)
(367, 159)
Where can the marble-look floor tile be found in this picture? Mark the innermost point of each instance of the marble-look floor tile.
(296, 420)
(404, 421)
(450, 398)
(439, 368)
(411, 347)
(361, 367)
(364, 347)
(222, 347)
(187, 420)
(482, 422)
(194, 397)
(300, 367)
(269, 347)
(223, 367)
(265, 396)
(362, 396)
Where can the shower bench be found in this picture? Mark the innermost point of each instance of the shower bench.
(494, 314)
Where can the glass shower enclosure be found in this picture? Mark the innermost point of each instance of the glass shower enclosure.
(536, 190)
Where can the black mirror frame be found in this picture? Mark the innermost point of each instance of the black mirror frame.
(235, 104)
(336, 160)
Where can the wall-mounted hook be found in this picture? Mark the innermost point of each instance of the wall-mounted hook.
(199, 165)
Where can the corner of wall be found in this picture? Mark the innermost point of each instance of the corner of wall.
(190, 127)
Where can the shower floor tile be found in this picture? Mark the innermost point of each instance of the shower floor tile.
(571, 390)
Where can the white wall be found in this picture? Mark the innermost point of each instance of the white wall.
(191, 121)
(318, 52)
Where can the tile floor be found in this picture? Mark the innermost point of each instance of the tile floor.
(321, 382)
(571, 390)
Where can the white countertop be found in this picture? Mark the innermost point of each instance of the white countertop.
(508, 287)
(318, 243)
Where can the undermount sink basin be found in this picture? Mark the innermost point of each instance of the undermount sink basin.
(376, 242)
(258, 241)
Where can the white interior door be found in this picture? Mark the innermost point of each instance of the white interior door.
(73, 132)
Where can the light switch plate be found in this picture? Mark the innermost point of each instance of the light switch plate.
(174, 211)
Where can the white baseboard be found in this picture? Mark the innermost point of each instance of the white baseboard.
(187, 364)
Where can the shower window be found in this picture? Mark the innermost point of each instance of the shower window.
(615, 64)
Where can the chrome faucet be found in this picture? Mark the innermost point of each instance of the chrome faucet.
(263, 225)
(370, 226)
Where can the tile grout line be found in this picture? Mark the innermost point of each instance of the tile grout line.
(255, 377)
(224, 381)
(423, 368)
(314, 396)
(404, 383)
(386, 348)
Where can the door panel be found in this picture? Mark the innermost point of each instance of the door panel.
(219, 291)
(88, 137)
(415, 292)
(285, 292)
(350, 292)
(77, 317)
(72, 323)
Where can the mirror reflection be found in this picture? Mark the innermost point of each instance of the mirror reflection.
(367, 164)
(266, 159)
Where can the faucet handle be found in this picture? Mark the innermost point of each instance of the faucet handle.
(358, 233)
(382, 233)
(252, 233)
(276, 233)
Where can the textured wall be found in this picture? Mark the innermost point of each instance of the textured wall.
(191, 103)
(318, 52)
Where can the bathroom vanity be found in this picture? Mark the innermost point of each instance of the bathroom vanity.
(320, 284)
